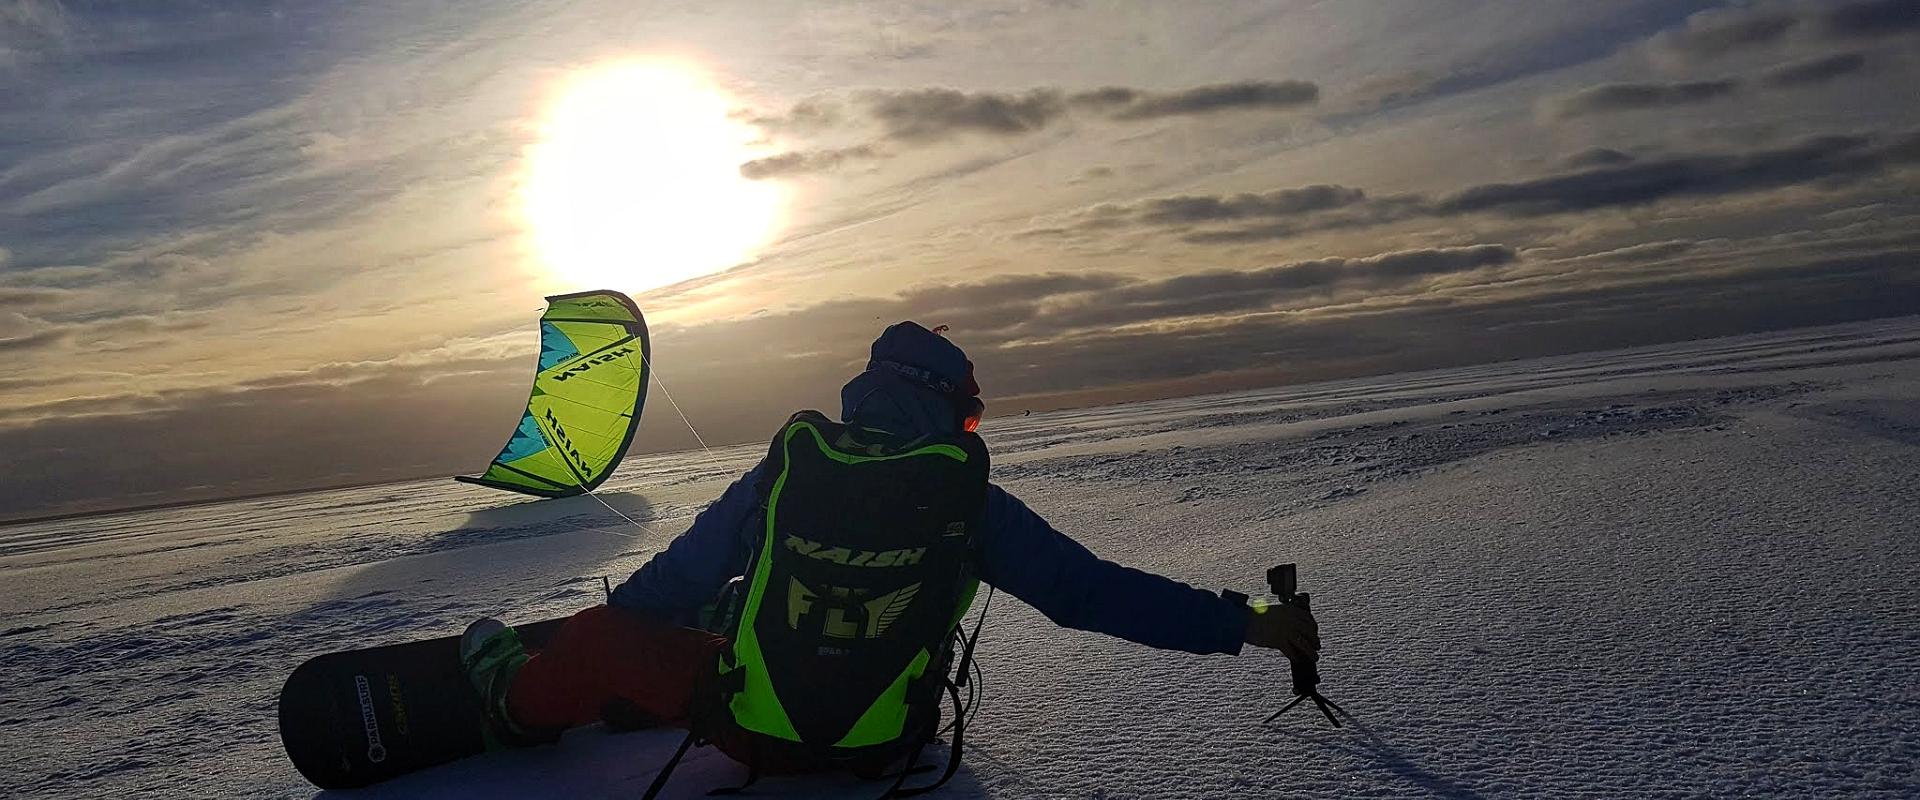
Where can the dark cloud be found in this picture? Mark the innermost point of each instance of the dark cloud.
(1229, 291)
(1871, 19)
(806, 116)
(1093, 174)
(1134, 104)
(1640, 96)
(1597, 157)
(921, 116)
(1599, 34)
(933, 115)
(40, 340)
(1821, 159)
(1048, 232)
(25, 383)
(805, 162)
(1192, 210)
(22, 297)
(1814, 71)
(1365, 214)
(1360, 215)
(1188, 209)
(1719, 32)
(1280, 214)
(1017, 290)
(1710, 34)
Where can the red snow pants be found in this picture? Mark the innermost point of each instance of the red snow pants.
(603, 655)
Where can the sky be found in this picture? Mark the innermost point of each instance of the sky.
(253, 246)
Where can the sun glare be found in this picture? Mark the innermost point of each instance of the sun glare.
(635, 183)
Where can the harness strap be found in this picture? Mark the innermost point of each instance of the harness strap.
(959, 716)
(909, 769)
(660, 780)
(953, 753)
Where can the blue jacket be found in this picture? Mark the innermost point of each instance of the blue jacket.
(1018, 552)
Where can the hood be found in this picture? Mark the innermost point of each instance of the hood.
(912, 375)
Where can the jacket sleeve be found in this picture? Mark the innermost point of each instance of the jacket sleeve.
(1021, 553)
(693, 568)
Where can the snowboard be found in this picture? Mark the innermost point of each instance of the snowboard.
(359, 717)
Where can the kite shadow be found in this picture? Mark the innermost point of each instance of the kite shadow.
(570, 539)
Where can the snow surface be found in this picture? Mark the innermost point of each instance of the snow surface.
(1675, 571)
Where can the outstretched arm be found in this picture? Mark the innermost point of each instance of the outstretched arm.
(687, 575)
(1021, 553)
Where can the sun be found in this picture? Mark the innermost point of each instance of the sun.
(635, 182)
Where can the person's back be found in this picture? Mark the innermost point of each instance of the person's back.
(841, 642)
(811, 534)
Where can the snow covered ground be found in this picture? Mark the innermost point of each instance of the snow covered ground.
(1676, 571)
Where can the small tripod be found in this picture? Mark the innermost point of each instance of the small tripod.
(1306, 675)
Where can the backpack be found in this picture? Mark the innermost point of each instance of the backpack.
(843, 630)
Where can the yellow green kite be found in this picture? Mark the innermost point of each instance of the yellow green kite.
(586, 399)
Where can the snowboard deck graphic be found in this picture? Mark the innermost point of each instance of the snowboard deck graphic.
(358, 717)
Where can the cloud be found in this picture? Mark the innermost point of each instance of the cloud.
(1027, 337)
(1122, 103)
(1187, 209)
(806, 162)
(918, 117)
(1597, 157)
(1871, 19)
(97, 333)
(11, 297)
(1228, 291)
(930, 116)
(1191, 210)
(921, 116)
(1280, 214)
(1726, 31)
(1820, 159)
(1015, 290)
(806, 116)
(1618, 97)
(1609, 183)
(62, 277)
(34, 341)
(1715, 33)
(32, 30)
(1814, 71)
(1093, 174)
(1640, 253)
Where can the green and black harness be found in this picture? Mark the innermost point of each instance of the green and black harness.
(846, 630)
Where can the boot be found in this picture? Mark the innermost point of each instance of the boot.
(492, 654)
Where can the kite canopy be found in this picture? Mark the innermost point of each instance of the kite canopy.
(586, 400)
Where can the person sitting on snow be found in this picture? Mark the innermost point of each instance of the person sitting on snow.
(853, 551)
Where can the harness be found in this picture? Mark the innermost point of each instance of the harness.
(845, 632)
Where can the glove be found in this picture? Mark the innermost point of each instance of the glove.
(1284, 627)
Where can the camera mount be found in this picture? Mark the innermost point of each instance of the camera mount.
(1283, 581)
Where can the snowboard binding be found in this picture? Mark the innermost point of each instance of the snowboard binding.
(1283, 581)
